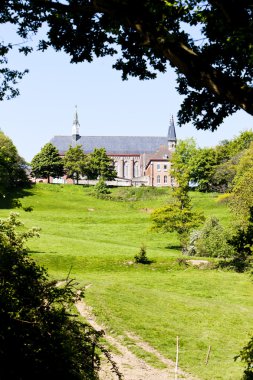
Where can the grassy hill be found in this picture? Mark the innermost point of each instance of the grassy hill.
(97, 241)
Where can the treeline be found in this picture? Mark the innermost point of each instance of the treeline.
(75, 164)
(217, 168)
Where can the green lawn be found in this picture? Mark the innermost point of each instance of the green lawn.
(97, 240)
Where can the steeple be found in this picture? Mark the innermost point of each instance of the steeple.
(172, 138)
(75, 127)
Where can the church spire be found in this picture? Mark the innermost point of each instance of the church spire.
(75, 126)
(172, 138)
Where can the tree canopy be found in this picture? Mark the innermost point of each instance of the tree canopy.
(47, 163)
(74, 162)
(98, 164)
(12, 166)
(214, 70)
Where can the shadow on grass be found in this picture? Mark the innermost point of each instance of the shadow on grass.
(171, 246)
(10, 199)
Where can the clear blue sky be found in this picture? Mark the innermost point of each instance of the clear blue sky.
(106, 105)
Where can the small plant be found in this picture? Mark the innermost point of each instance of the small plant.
(141, 257)
(101, 190)
(182, 261)
(28, 209)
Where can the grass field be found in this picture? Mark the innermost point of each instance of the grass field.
(97, 241)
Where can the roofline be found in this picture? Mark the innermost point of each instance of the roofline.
(108, 136)
(156, 160)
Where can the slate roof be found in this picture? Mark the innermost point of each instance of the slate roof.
(112, 144)
(172, 131)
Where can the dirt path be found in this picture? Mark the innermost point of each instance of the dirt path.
(129, 364)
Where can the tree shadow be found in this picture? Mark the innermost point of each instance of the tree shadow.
(10, 199)
(171, 246)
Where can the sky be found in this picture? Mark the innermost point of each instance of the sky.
(106, 105)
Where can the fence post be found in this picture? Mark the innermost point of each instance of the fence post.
(208, 354)
(177, 352)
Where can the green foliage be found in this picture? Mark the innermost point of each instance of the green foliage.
(239, 143)
(47, 163)
(242, 196)
(178, 215)
(134, 194)
(210, 241)
(101, 190)
(215, 77)
(224, 174)
(246, 356)
(173, 217)
(12, 166)
(181, 162)
(37, 328)
(74, 162)
(203, 164)
(98, 164)
(242, 242)
(141, 257)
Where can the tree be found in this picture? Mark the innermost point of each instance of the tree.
(47, 163)
(242, 197)
(98, 164)
(74, 162)
(38, 329)
(181, 162)
(12, 166)
(178, 216)
(174, 218)
(202, 168)
(214, 71)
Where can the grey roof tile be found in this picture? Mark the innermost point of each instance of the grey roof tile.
(112, 144)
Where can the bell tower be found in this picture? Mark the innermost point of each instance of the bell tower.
(75, 127)
(172, 138)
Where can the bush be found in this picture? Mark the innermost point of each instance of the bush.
(242, 242)
(100, 190)
(210, 241)
(246, 356)
(141, 257)
(38, 331)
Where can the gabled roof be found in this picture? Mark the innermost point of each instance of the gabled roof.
(112, 144)
(163, 154)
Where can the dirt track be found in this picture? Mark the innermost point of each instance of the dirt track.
(132, 367)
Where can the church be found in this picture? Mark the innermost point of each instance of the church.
(138, 160)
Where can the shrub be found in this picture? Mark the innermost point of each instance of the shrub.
(246, 356)
(141, 257)
(210, 241)
(242, 242)
(101, 190)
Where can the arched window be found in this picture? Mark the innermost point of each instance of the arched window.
(116, 167)
(165, 179)
(125, 173)
(136, 169)
(158, 179)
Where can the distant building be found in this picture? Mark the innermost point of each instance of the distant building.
(138, 160)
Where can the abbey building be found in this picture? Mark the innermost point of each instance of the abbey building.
(138, 160)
